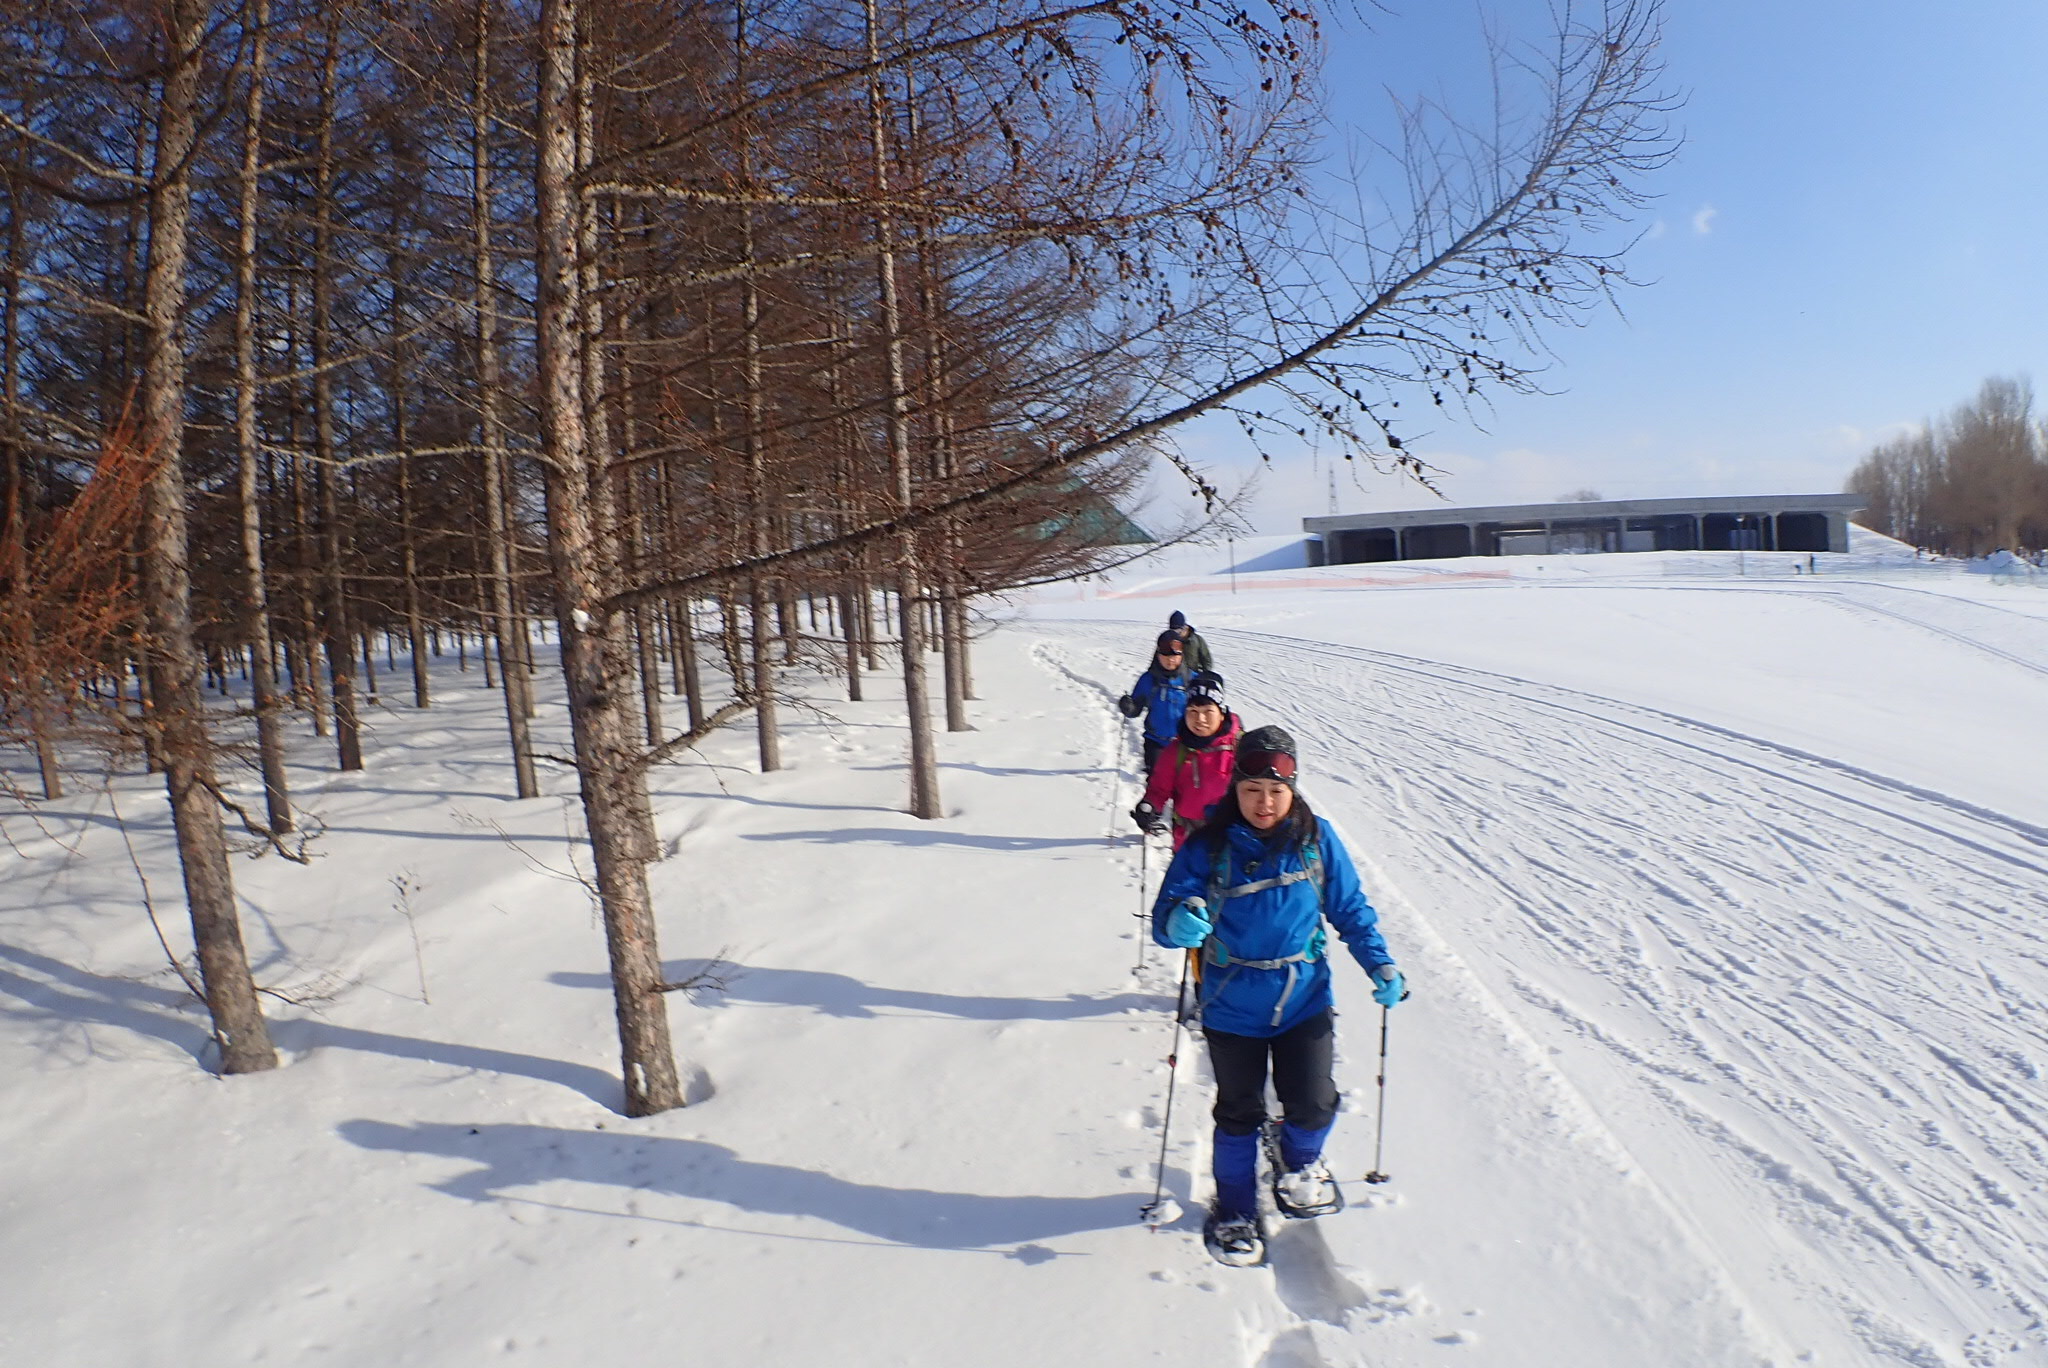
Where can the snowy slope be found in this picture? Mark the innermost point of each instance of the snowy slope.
(1722, 896)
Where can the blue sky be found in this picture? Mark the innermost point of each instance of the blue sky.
(1849, 241)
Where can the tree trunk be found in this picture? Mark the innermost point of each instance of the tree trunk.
(15, 479)
(513, 667)
(594, 657)
(415, 628)
(339, 640)
(369, 664)
(47, 767)
(849, 622)
(758, 590)
(924, 768)
(179, 718)
(957, 605)
(951, 645)
(683, 633)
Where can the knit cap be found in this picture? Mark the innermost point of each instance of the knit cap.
(1265, 753)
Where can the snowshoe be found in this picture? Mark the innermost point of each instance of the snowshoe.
(1305, 1193)
(1234, 1240)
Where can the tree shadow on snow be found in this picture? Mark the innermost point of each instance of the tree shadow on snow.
(926, 836)
(842, 995)
(512, 1156)
(63, 995)
(1002, 771)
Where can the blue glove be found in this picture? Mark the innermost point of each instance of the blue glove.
(1389, 987)
(1188, 925)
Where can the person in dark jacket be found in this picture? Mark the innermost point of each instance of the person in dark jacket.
(1253, 887)
(1161, 694)
(1198, 657)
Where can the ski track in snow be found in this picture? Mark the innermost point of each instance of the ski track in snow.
(2007, 634)
(1833, 981)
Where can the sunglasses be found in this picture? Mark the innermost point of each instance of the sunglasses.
(1265, 765)
(1170, 655)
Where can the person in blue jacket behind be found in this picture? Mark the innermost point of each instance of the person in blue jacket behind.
(1253, 889)
(1161, 693)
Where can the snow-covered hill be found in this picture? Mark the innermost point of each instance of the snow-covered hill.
(1721, 888)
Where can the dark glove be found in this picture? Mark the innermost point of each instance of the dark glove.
(1129, 706)
(1149, 819)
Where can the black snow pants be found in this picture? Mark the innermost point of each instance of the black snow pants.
(1301, 1059)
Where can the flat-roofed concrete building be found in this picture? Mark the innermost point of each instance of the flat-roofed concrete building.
(1774, 522)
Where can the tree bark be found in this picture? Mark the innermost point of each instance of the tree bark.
(339, 640)
(924, 767)
(767, 731)
(267, 701)
(595, 664)
(179, 712)
(510, 630)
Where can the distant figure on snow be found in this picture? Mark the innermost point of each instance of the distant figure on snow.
(1161, 694)
(1193, 772)
(1199, 659)
(1253, 887)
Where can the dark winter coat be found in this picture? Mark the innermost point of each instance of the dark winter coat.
(1270, 924)
(1192, 773)
(1198, 656)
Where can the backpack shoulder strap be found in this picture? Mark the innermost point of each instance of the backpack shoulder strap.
(1219, 869)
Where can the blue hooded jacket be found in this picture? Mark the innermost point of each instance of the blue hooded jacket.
(1165, 697)
(1270, 924)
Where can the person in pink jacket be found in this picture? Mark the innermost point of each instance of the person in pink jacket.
(1194, 769)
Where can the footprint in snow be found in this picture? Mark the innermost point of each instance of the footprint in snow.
(1309, 1346)
(1308, 1279)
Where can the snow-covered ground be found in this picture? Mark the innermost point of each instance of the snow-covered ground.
(1723, 889)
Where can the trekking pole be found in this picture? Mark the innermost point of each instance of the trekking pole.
(1144, 867)
(1380, 1128)
(1163, 1210)
(1123, 750)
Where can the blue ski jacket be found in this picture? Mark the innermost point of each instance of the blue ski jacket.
(1265, 970)
(1165, 697)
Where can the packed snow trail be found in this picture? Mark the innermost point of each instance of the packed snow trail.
(1805, 1001)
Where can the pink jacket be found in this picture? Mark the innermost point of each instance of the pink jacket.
(1192, 778)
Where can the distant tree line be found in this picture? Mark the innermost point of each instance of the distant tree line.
(729, 332)
(1972, 483)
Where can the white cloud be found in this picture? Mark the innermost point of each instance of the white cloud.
(1703, 219)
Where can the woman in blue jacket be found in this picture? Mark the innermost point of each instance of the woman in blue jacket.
(1161, 693)
(1253, 888)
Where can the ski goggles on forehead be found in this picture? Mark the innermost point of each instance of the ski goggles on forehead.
(1261, 764)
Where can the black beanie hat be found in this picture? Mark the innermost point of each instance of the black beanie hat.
(1207, 688)
(1178, 620)
(1265, 753)
(1168, 641)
